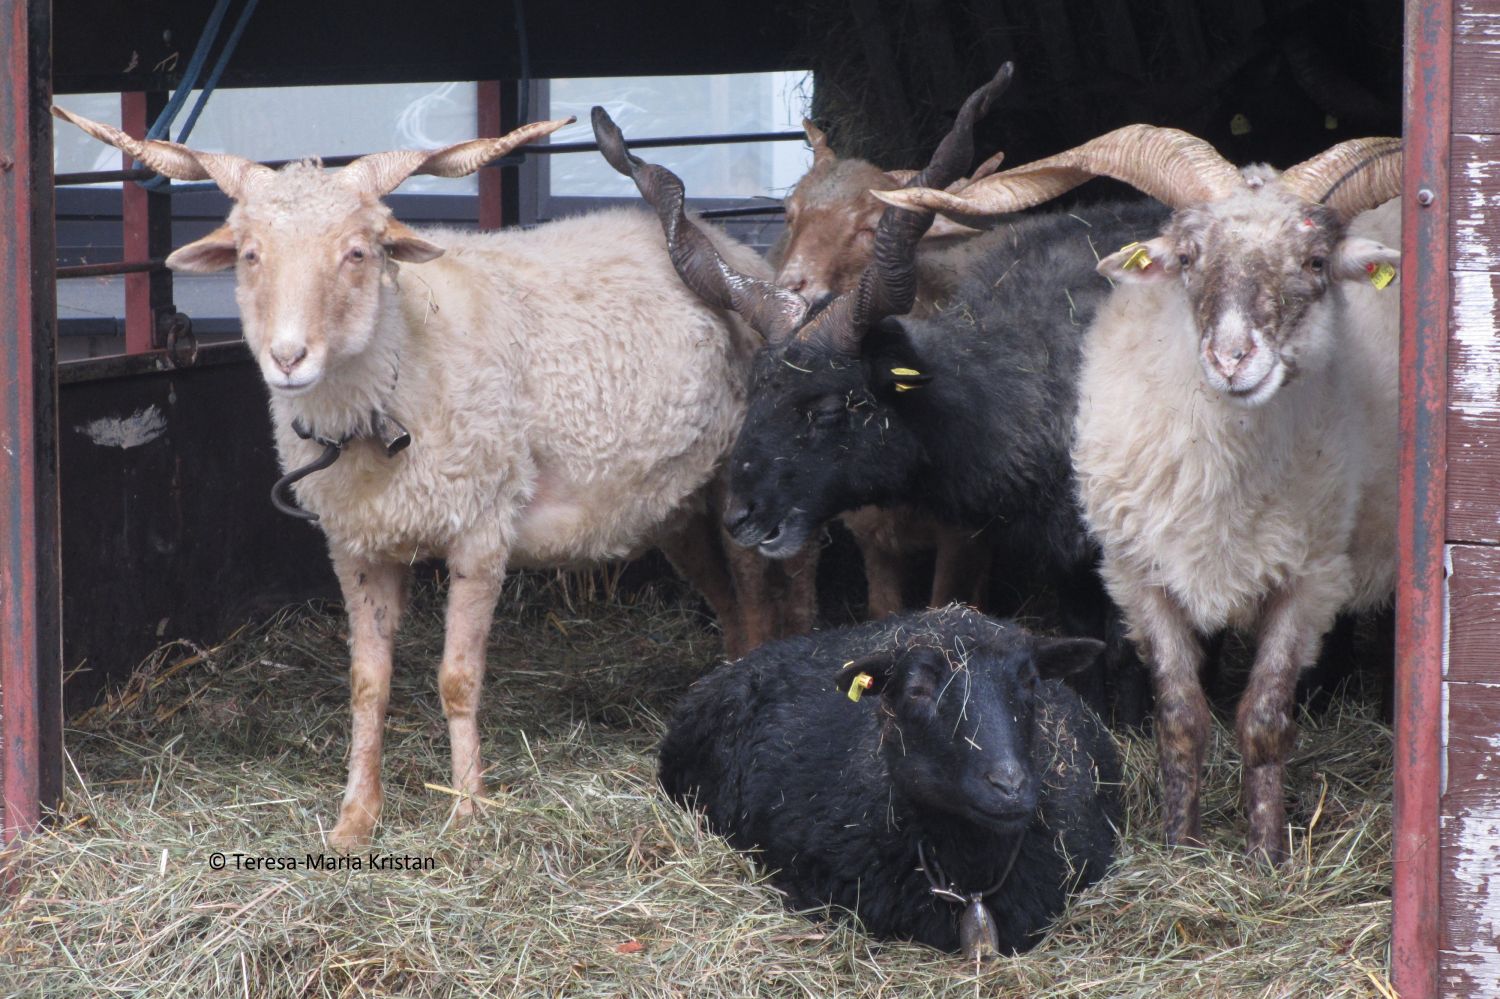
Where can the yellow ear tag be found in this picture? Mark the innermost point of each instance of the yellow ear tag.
(1381, 275)
(1140, 259)
(906, 373)
(861, 683)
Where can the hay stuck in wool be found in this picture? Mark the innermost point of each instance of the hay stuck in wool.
(579, 878)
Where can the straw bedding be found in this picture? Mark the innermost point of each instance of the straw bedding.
(579, 879)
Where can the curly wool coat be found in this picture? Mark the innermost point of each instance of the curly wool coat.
(962, 746)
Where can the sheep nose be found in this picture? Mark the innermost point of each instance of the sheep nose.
(1228, 361)
(1008, 778)
(287, 358)
(737, 514)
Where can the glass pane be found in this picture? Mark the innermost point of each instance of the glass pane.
(276, 123)
(654, 106)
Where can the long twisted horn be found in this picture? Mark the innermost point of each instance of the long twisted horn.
(382, 173)
(773, 312)
(232, 173)
(1171, 166)
(1350, 178)
(888, 286)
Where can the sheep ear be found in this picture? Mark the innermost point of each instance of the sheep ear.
(817, 140)
(1060, 657)
(890, 375)
(1360, 259)
(876, 668)
(214, 252)
(943, 227)
(1140, 263)
(402, 243)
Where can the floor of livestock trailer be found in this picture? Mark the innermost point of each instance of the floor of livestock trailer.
(579, 878)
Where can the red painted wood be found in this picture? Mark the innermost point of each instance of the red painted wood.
(1474, 476)
(1471, 893)
(1473, 751)
(491, 189)
(30, 636)
(1476, 66)
(1474, 621)
(134, 213)
(146, 228)
(1475, 176)
(1468, 974)
(1419, 599)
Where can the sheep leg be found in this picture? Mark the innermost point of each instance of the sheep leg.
(374, 593)
(701, 555)
(1182, 715)
(962, 569)
(796, 606)
(472, 595)
(1290, 633)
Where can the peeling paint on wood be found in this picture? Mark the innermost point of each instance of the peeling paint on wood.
(1473, 747)
(1471, 891)
(1473, 350)
(1476, 66)
(140, 427)
(1475, 178)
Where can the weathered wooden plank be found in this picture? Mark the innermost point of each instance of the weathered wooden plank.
(1474, 476)
(1470, 974)
(1473, 749)
(1476, 67)
(1470, 884)
(1473, 490)
(1474, 616)
(1473, 348)
(1474, 178)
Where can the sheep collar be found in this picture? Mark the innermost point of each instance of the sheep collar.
(977, 937)
(385, 430)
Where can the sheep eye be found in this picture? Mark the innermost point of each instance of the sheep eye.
(826, 416)
(1315, 264)
(250, 256)
(356, 255)
(1184, 261)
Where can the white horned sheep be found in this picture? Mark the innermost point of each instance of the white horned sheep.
(831, 219)
(567, 398)
(1235, 444)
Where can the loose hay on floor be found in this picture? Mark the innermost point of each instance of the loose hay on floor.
(580, 879)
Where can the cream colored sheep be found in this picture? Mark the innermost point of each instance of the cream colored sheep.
(568, 400)
(1235, 444)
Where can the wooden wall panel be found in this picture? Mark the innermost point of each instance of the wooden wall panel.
(1474, 618)
(1474, 178)
(1473, 776)
(1474, 407)
(1476, 67)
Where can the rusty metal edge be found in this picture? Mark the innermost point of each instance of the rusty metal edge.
(30, 590)
(1420, 624)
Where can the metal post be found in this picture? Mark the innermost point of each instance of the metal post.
(146, 218)
(1422, 522)
(490, 185)
(30, 593)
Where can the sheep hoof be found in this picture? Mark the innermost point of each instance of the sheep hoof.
(354, 829)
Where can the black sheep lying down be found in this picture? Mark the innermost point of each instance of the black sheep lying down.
(966, 770)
